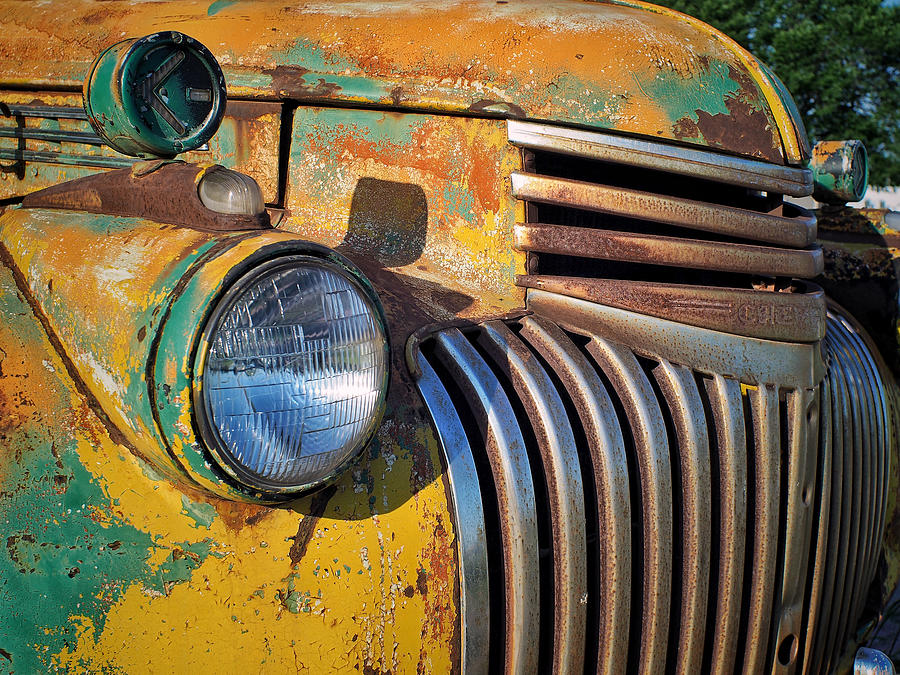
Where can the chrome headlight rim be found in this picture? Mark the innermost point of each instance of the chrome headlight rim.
(237, 282)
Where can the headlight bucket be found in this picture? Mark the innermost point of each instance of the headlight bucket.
(186, 339)
(290, 373)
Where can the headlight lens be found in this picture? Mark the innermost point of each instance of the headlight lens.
(292, 373)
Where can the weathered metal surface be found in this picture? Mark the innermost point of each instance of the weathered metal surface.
(840, 170)
(635, 152)
(155, 190)
(796, 314)
(565, 489)
(606, 446)
(506, 452)
(468, 518)
(630, 67)
(730, 441)
(247, 141)
(670, 251)
(654, 466)
(750, 360)
(682, 397)
(426, 196)
(786, 225)
(107, 565)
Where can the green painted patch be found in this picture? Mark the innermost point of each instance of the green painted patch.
(202, 514)
(218, 6)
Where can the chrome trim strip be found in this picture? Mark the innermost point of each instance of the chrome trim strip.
(728, 419)
(798, 231)
(750, 360)
(585, 242)
(749, 173)
(468, 519)
(52, 135)
(506, 452)
(606, 447)
(43, 111)
(682, 397)
(69, 160)
(565, 489)
(767, 498)
(651, 447)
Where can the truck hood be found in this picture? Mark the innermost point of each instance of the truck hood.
(628, 67)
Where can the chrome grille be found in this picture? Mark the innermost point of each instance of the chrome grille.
(655, 497)
(55, 135)
(683, 234)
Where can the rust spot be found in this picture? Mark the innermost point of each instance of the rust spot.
(744, 128)
(397, 95)
(73, 572)
(409, 591)
(309, 522)
(503, 108)
(290, 81)
(5, 654)
(235, 514)
(142, 333)
(422, 582)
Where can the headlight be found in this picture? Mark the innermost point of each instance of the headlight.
(291, 374)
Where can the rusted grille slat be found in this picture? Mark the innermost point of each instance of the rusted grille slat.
(798, 229)
(607, 454)
(689, 418)
(731, 444)
(651, 447)
(752, 174)
(670, 251)
(767, 465)
(562, 472)
(506, 452)
(797, 316)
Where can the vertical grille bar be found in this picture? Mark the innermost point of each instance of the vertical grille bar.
(802, 439)
(565, 490)
(689, 418)
(651, 447)
(474, 594)
(731, 442)
(607, 454)
(508, 458)
(821, 592)
(767, 464)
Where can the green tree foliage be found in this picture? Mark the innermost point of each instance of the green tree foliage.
(840, 60)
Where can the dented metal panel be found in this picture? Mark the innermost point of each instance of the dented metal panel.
(627, 67)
